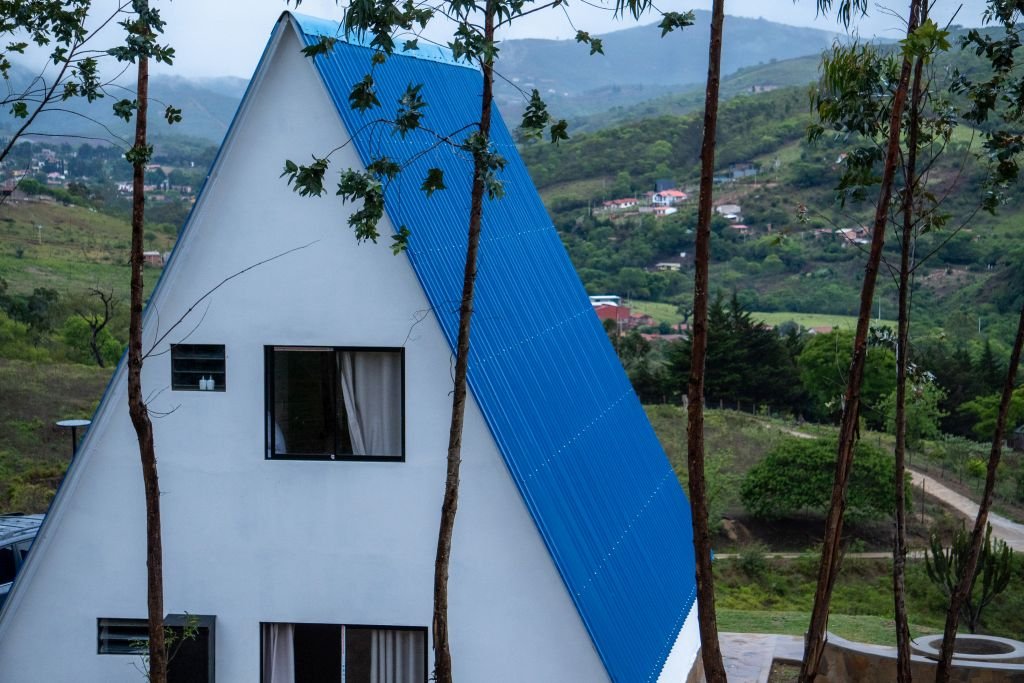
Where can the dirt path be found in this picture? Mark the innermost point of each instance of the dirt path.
(1011, 532)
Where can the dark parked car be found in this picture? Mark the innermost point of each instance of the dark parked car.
(16, 535)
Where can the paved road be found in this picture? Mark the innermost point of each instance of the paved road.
(748, 656)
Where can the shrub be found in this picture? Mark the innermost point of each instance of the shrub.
(796, 476)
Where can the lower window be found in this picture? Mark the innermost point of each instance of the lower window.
(311, 653)
(190, 644)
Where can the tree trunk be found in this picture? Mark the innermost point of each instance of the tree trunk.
(963, 587)
(136, 405)
(848, 430)
(442, 650)
(714, 669)
(899, 557)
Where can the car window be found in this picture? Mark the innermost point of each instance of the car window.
(6, 564)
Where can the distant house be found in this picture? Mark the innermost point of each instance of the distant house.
(665, 210)
(728, 210)
(820, 329)
(759, 88)
(153, 258)
(300, 431)
(858, 235)
(672, 263)
(622, 315)
(616, 312)
(742, 170)
(668, 197)
(624, 203)
(740, 229)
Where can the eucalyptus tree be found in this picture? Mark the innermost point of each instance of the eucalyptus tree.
(840, 81)
(994, 104)
(143, 26)
(711, 652)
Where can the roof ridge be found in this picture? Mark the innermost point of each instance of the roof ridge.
(316, 26)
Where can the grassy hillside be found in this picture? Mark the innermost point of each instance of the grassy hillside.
(67, 248)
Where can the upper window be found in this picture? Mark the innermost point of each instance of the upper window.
(335, 403)
(198, 367)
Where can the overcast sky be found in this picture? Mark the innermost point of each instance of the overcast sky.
(227, 37)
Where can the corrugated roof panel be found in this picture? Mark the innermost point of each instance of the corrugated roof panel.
(562, 411)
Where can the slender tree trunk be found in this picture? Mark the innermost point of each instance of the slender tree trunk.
(963, 587)
(848, 430)
(711, 653)
(899, 557)
(442, 649)
(137, 406)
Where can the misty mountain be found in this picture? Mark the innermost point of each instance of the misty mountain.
(207, 105)
(638, 66)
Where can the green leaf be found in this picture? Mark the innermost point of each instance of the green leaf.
(323, 46)
(670, 21)
(410, 110)
(363, 95)
(123, 109)
(306, 180)
(559, 131)
(434, 181)
(19, 110)
(400, 240)
(139, 155)
(411, 45)
(172, 115)
(535, 116)
(384, 167)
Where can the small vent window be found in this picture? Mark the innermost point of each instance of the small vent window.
(123, 636)
(198, 367)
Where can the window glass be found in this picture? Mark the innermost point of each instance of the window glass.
(304, 406)
(6, 564)
(327, 403)
(331, 652)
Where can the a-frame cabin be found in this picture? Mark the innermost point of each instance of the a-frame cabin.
(301, 487)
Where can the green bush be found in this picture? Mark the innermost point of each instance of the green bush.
(796, 476)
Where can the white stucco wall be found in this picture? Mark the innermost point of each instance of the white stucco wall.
(251, 540)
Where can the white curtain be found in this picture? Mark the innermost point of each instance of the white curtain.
(371, 385)
(396, 656)
(278, 653)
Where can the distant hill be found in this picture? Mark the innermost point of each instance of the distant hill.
(207, 104)
(639, 64)
(751, 80)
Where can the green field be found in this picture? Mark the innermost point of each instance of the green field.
(663, 312)
(68, 248)
(856, 627)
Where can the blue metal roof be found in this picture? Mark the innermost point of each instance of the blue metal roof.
(572, 431)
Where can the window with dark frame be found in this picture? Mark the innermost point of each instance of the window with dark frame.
(312, 653)
(198, 367)
(335, 403)
(192, 658)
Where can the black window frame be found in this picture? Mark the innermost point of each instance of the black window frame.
(207, 622)
(366, 627)
(269, 416)
(197, 352)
